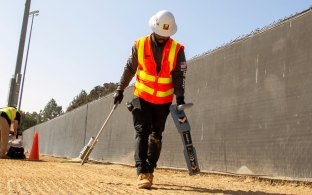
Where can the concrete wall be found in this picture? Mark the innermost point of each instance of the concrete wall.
(253, 102)
(252, 110)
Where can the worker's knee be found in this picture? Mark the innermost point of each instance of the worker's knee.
(154, 138)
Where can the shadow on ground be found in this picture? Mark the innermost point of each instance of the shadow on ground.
(206, 190)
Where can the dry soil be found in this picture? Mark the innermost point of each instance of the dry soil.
(52, 175)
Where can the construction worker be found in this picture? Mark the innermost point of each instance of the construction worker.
(9, 121)
(159, 64)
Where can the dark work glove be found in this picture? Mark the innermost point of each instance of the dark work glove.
(180, 100)
(118, 96)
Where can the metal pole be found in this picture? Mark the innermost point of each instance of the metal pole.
(15, 81)
(33, 13)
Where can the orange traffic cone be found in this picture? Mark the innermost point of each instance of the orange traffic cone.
(34, 154)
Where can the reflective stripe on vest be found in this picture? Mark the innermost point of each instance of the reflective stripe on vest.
(151, 87)
(151, 78)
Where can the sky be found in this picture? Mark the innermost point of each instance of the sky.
(76, 44)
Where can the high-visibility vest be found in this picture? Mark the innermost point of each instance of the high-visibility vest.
(10, 112)
(150, 86)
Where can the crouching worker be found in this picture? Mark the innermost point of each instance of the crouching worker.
(9, 121)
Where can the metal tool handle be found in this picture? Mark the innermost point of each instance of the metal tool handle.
(184, 106)
(97, 136)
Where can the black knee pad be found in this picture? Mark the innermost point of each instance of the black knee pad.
(155, 139)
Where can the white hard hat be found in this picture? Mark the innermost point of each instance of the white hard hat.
(163, 23)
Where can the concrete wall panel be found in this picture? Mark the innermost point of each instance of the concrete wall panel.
(62, 136)
(28, 137)
(115, 143)
(252, 102)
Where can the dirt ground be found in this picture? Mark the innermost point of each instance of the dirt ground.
(52, 175)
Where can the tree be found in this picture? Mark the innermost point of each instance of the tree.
(29, 120)
(51, 110)
(99, 91)
(96, 93)
(109, 88)
(79, 100)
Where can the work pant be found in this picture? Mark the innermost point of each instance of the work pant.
(4, 136)
(149, 123)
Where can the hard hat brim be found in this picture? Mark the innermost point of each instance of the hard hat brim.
(153, 26)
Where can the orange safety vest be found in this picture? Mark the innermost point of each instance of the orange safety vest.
(150, 86)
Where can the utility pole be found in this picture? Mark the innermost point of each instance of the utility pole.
(16, 79)
(33, 13)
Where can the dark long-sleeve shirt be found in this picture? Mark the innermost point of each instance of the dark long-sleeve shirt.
(178, 74)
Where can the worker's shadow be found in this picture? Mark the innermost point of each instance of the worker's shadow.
(177, 188)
